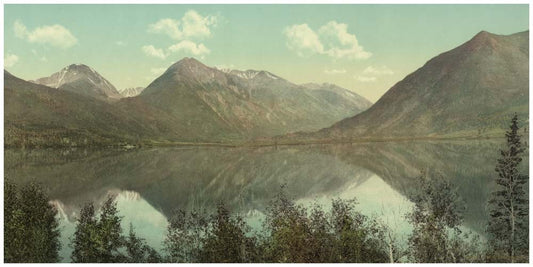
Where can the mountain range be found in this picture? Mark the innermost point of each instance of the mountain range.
(190, 102)
(242, 104)
(469, 91)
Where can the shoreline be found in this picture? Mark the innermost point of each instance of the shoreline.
(272, 143)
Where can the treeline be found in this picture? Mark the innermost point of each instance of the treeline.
(290, 233)
(28, 137)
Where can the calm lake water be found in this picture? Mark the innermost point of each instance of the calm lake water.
(152, 182)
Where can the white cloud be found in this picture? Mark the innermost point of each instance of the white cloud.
(191, 25)
(185, 46)
(383, 70)
(332, 39)
(187, 30)
(150, 50)
(54, 35)
(169, 27)
(194, 25)
(340, 43)
(10, 60)
(120, 43)
(303, 40)
(366, 79)
(334, 71)
(158, 71)
(189, 47)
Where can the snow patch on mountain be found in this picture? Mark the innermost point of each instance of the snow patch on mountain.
(72, 77)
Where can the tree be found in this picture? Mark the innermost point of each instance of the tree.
(14, 247)
(226, 240)
(343, 235)
(390, 228)
(110, 232)
(436, 212)
(508, 205)
(185, 236)
(85, 240)
(289, 231)
(30, 225)
(97, 241)
(357, 237)
(138, 251)
(321, 236)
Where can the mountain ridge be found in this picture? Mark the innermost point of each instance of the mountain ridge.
(471, 90)
(246, 103)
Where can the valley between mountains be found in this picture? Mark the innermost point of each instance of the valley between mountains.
(468, 92)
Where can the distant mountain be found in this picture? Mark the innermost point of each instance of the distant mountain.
(472, 90)
(131, 92)
(210, 103)
(338, 97)
(38, 115)
(81, 79)
(190, 102)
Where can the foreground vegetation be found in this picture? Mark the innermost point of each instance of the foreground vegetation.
(290, 232)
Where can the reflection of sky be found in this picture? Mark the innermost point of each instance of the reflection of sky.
(375, 198)
(147, 222)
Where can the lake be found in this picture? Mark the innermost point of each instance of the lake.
(151, 182)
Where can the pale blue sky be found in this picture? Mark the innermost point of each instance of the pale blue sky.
(365, 48)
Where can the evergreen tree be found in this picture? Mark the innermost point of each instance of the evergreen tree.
(14, 247)
(30, 225)
(134, 247)
(138, 251)
(508, 224)
(110, 232)
(98, 241)
(85, 241)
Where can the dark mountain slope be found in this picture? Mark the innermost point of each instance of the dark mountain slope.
(471, 90)
(243, 104)
(37, 115)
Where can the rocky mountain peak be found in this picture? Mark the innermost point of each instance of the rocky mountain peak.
(82, 79)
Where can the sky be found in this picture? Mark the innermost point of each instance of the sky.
(364, 48)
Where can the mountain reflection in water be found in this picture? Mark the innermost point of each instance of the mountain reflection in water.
(150, 183)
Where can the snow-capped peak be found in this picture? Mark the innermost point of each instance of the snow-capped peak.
(74, 73)
(252, 74)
